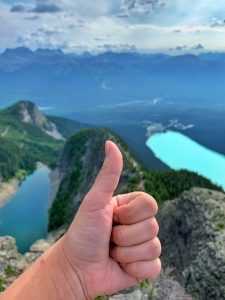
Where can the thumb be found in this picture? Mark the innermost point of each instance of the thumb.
(108, 178)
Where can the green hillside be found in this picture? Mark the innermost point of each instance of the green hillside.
(22, 144)
(66, 126)
(81, 160)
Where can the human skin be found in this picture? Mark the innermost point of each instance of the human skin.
(111, 245)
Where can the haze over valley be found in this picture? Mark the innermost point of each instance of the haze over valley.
(120, 91)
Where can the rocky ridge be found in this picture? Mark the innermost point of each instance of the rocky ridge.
(79, 165)
(29, 113)
(12, 264)
(192, 232)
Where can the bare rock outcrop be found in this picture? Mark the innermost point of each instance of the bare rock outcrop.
(192, 232)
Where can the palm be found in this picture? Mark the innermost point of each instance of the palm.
(89, 238)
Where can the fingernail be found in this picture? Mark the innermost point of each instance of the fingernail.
(107, 148)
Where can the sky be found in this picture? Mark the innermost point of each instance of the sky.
(169, 26)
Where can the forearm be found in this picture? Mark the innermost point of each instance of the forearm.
(49, 278)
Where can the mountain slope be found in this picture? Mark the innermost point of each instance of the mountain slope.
(28, 136)
(58, 76)
(81, 160)
(67, 127)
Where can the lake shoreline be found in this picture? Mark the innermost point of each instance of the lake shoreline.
(25, 217)
(180, 152)
(8, 190)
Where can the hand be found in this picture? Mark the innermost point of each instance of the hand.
(112, 243)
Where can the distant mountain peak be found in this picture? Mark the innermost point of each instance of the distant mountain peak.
(20, 51)
(28, 112)
(26, 52)
(49, 52)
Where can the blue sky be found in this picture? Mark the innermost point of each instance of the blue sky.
(175, 26)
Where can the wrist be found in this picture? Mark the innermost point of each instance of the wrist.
(64, 276)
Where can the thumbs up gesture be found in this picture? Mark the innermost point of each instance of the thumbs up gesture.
(112, 243)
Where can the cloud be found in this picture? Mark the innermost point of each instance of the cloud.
(46, 8)
(186, 48)
(123, 47)
(143, 25)
(44, 37)
(45, 108)
(179, 48)
(123, 15)
(39, 8)
(32, 18)
(105, 86)
(18, 8)
(140, 7)
(218, 24)
(151, 102)
(198, 47)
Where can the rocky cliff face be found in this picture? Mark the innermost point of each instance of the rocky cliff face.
(79, 165)
(29, 113)
(192, 232)
(12, 263)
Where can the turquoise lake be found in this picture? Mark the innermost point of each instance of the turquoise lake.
(25, 217)
(180, 152)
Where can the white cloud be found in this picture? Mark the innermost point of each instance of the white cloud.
(45, 108)
(151, 102)
(141, 7)
(94, 25)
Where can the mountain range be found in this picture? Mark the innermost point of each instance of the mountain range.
(48, 76)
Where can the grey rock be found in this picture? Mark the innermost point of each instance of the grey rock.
(192, 232)
(40, 246)
(135, 295)
(12, 263)
(30, 114)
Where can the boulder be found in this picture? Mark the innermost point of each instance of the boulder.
(192, 232)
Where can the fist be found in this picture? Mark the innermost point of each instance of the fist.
(112, 244)
(135, 244)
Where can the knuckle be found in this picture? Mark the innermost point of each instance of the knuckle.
(155, 248)
(152, 204)
(154, 227)
(156, 268)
